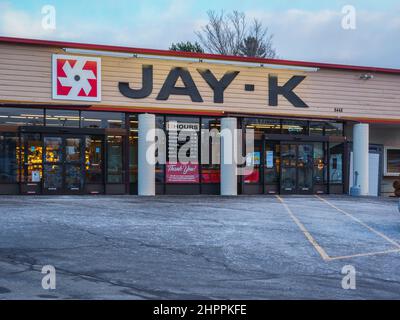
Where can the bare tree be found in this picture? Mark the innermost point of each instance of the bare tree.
(230, 35)
(258, 43)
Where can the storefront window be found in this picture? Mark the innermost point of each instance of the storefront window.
(334, 129)
(183, 155)
(317, 128)
(114, 159)
(271, 126)
(8, 157)
(210, 173)
(336, 151)
(73, 150)
(53, 148)
(319, 163)
(253, 164)
(32, 152)
(272, 162)
(94, 159)
(22, 116)
(102, 120)
(392, 161)
(294, 127)
(62, 118)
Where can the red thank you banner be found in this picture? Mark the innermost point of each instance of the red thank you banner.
(182, 173)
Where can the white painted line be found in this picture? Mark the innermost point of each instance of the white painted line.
(396, 244)
(365, 254)
(307, 234)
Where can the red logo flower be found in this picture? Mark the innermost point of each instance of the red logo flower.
(76, 78)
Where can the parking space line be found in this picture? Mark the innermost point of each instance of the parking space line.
(349, 215)
(307, 234)
(365, 254)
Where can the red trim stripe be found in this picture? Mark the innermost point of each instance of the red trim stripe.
(76, 45)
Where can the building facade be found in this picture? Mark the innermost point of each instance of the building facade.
(74, 119)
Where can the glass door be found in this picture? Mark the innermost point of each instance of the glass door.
(288, 168)
(53, 165)
(296, 168)
(31, 163)
(272, 166)
(305, 157)
(73, 165)
(63, 165)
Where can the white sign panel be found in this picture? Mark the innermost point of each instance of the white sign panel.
(76, 78)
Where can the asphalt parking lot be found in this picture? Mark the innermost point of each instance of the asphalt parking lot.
(199, 247)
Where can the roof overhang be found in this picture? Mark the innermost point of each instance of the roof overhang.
(199, 56)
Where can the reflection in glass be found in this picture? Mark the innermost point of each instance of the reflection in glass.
(334, 129)
(53, 177)
(253, 164)
(73, 177)
(288, 179)
(94, 159)
(294, 127)
(8, 157)
(272, 162)
(22, 116)
(260, 126)
(114, 159)
(316, 128)
(62, 118)
(305, 178)
(336, 151)
(305, 167)
(288, 152)
(104, 120)
(319, 163)
(305, 156)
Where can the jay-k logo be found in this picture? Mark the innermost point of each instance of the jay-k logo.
(76, 78)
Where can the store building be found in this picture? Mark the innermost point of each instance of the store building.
(74, 117)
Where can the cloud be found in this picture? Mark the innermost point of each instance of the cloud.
(18, 23)
(298, 34)
(151, 26)
(319, 36)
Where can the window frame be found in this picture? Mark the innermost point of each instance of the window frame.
(385, 163)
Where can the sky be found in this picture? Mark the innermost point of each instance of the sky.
(302, 29)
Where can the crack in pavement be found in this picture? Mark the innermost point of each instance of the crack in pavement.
(32, 265)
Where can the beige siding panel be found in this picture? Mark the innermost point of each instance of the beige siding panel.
(25, 76)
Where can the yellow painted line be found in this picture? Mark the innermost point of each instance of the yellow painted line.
(365, 254)
(307, 234)
(396, 244)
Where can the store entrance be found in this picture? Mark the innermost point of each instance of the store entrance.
(55, 163)
(63, 164)
(296, 168)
